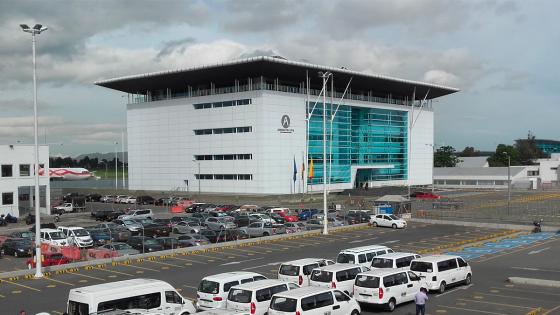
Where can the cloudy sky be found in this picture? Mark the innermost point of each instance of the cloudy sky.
(503, 55)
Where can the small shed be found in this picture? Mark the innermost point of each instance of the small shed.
(399, 203)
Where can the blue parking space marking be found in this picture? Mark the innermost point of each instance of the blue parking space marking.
(519, 241)
(500, 245)
(538, 236)
(466, 256)
(480, 250)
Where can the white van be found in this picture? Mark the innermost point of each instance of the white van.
(221, 312)
(255, 297)
(77, 236)
(53, 237)
(147, 294)
(337, 276)
(298, 271)
(440, 271)
(396, 260)
(361, 255)
(387, 287)
(213, 290)
(313, 301)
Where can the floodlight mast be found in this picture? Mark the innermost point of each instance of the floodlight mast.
(36, 30)
(325, 76)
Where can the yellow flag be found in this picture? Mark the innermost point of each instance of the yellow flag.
(311, 169)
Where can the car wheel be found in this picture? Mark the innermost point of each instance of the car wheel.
(374, 224)
(391, 305)
(441, 287)
(394, 226)
(355, 312)
(468, 279)
(15, 254)
(266, 234)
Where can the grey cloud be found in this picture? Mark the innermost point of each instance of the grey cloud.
(258, 52)
(178, 45)
(506, 7)
(262, 15)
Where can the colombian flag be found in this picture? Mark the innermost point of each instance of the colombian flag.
(311, 169)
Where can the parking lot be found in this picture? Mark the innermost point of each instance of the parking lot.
(489, 293)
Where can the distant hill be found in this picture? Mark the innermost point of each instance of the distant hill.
(101, 156)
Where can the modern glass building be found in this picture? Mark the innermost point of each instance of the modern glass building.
(256, 126)
(548, 146)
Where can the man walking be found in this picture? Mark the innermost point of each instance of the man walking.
(420, 299)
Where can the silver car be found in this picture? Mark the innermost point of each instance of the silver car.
(221, 223)
(186, 227)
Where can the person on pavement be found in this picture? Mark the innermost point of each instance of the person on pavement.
(420, 300)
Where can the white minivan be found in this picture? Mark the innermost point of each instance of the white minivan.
(298, 271)
(53, 237)
(255, 297)
(313, 301)
(213, 290)
(77, 236)
(361, 255)
(337, 276)
(146, 294)
(439, 271)
(386, 287)
(395, 260)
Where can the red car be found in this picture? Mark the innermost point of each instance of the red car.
(288, 217)
(50, 259)
(425, 195)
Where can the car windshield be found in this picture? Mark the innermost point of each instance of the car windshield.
(57, 235)
(211, 287)
(393, 217)
(129, 222)
(283, 304)
(367, 281)
(150, 242)
(345, 258)
(421, 266)
(27, 234)
(22, 243)
(80, 232)
(289, 270)
(382, 263)
(321, 276)
(240, 296)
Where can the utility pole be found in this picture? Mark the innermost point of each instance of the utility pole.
(325, 76)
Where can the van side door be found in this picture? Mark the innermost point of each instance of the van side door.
(173, 303)
(413, 285)
(342, 304)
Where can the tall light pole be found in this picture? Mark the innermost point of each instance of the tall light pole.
(194, 160)
(36, 30)
(509, 182)
(325, 76)
(116, 167)
(122, 149)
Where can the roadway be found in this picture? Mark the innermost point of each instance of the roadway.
(489, 293)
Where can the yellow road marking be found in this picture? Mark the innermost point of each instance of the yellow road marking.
(139, 271)
(111, 276)
(471, 310)
(2, 296)
(57, 312)
(164, 268)
(20, 285)
(82, 281)
(189, 260)
(114, 271)
(513, 297)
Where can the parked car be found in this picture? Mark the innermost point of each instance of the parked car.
(278, 219)
(107, 214)
(388, 220)
(236, 234)
(120, 198)
(131, 225)
(386, 287)
(172, 242)
(261, 217)
(77, 236)
(49, 259)
(129, 200)
(257, 229)
(306, 214)
(53, 237)
(243, 219)
(153, 229)
(17, 247)
(186, 227)
(138, 214)
(357, 217)
(313, 301)
(201, 216)
(440, 271)
(213, 290)
(294, 227)
(222, 223)
(117, 232)
(122, 249)
(23, 234)
(93, 197)
(144, 244)
(145, 200)
(108, 198)
(194, 239)
(165, 201)
(195, 207)
(214, 237)
(99, 236)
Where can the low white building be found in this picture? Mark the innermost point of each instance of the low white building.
(17, 183)
(542, 175)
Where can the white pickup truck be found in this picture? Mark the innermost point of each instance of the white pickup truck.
(65, 207)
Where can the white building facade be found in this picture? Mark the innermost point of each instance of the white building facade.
(264, 134)
(17, 182)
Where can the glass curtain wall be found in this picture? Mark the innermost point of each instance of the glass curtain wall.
(362, 137)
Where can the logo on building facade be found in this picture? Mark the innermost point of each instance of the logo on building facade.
(285, 122)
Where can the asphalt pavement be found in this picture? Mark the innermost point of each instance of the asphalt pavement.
(489, 294)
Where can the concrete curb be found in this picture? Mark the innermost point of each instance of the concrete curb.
(487, 225)
(533, 281)
(215, 247)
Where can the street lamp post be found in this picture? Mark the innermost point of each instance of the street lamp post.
(36, 30)
(509, 183)
(116, 168)
(325, 76)
(198, 162)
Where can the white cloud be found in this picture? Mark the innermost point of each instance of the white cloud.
(442, 77)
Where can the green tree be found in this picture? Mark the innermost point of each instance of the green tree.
(445, 157)
(500, 157)
(528, 150)
(469, 151)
